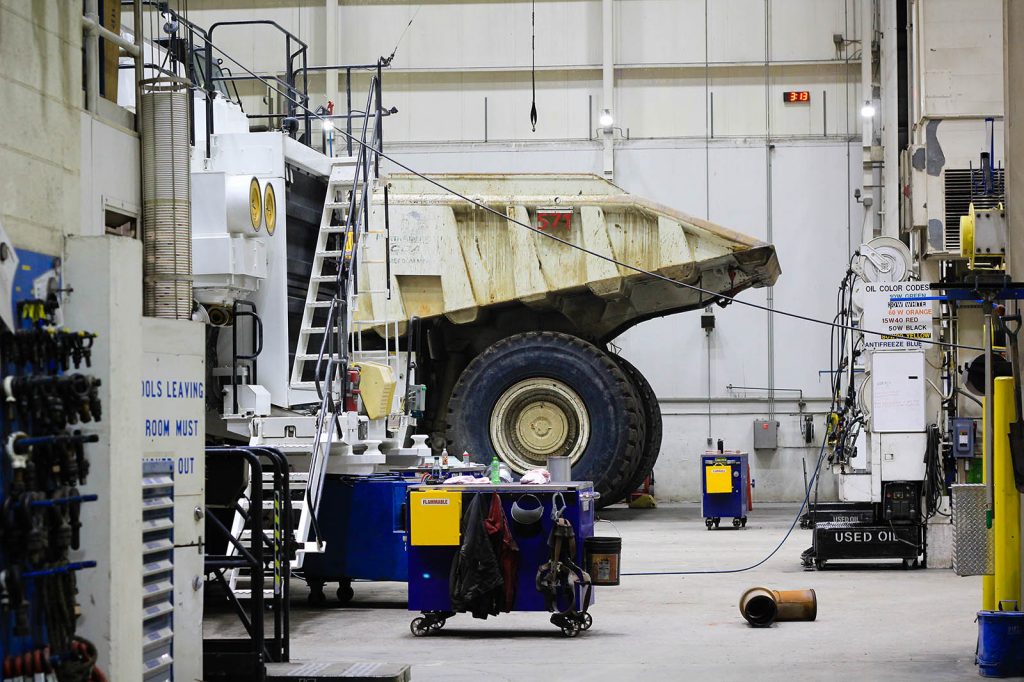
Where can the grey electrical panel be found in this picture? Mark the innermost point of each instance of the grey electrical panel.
(766, 434)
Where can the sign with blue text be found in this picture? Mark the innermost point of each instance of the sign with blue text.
(902, 313)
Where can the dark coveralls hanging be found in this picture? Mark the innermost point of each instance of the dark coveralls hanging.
(483, 574)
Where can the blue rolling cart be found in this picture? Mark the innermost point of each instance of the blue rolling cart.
(436, 523)
(725, 482)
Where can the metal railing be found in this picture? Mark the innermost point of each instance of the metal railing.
(295, 96)
(333, 358)
(262, 555)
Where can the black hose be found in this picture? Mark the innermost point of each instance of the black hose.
(934, 478)
(796, 520)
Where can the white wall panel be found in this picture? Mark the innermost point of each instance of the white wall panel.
(834, 91)
(474, 34)
(450, 106)
(498, 158)
(736, 31)
(740, 107)
(962, 58)
(660, 31)
(662, 103)
(259, 48)
(802, 30)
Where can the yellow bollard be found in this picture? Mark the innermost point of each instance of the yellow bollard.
(988, 581)
(1006, 523)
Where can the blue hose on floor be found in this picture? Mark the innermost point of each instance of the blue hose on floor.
(796, 520)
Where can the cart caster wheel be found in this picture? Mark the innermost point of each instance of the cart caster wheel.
(316, 597)
(819, 564)
(436, 625)
(743, 521)
(419, 627)
(717, 521)
(345, 593)
(571, 629)
(586, 621)
(736, 523)
(709, 523)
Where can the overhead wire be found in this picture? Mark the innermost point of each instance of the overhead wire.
(715, 296)
(402, 36)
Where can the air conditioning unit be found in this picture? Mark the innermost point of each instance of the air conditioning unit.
(970, 224)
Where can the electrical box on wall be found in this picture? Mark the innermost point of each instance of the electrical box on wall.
(766, 434)
(962, 431)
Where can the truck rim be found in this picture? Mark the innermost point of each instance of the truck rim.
(539, 418)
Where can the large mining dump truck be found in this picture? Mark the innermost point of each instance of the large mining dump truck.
(513, 326)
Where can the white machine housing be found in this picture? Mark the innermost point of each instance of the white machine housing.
(893, 447)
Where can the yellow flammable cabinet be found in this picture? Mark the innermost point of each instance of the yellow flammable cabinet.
(725, 479)
(434, 517)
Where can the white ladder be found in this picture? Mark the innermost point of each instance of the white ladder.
(314, 326)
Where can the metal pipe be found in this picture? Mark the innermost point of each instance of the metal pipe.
(988, 418)
(761, 606)
(731, 387)
(91, 25)
(92, 55)
(608, 83)
(796, 604)
(1006, 528)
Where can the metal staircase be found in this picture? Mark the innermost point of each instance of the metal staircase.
(324, 348)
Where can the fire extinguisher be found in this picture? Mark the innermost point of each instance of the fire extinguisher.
(352, 396)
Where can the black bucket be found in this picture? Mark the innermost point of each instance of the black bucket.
(601, 556)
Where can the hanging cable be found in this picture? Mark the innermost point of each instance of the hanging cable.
(402, 36)
(533, 64)
(713, 295)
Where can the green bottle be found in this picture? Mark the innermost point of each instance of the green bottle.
(495, 471)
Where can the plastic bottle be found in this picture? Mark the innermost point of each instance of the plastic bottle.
(465, 458)
(444, 458)
(495, 471)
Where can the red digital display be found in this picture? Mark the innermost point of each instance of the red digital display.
(796, 96)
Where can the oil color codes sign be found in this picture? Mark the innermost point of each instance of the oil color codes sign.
(901, 311)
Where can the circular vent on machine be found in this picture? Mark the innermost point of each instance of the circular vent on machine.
(884, 259)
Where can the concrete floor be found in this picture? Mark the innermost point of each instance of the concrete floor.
(876, 624)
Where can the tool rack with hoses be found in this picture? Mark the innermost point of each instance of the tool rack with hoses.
(51, 406)
(489, 549)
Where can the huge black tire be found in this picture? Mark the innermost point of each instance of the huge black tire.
(541, 394)
(652, 433)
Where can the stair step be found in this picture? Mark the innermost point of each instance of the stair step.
(314, 356)
(241, 593)
(293, 477)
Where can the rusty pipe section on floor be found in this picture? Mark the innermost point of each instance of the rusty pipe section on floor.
(761, 606)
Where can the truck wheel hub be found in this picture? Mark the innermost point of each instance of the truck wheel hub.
(539, 418)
